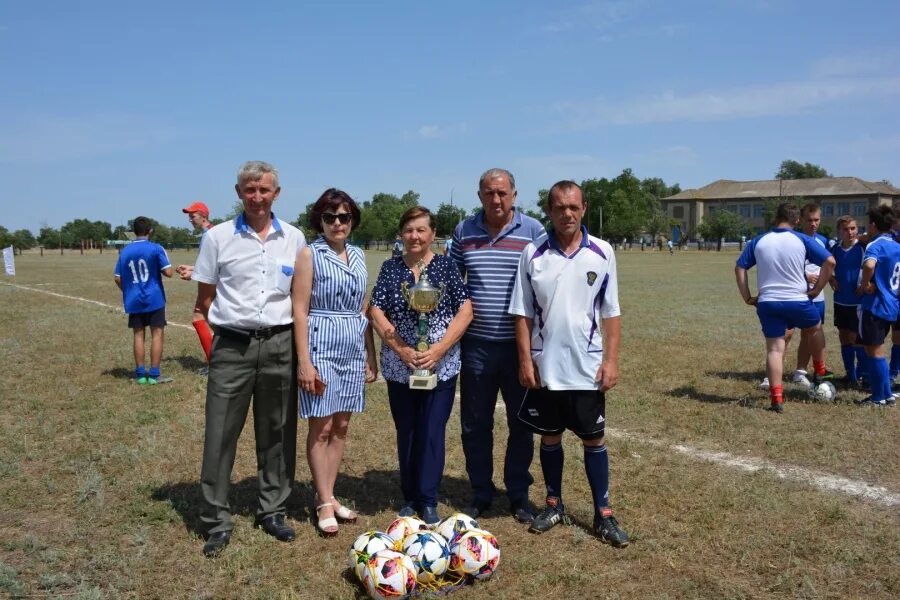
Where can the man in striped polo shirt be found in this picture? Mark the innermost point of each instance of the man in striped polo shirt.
(486, 248)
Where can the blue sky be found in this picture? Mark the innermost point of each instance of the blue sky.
(114, 109)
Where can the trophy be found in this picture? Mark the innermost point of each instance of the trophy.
(422, 298)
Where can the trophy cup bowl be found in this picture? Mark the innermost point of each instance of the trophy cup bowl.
(422, 298)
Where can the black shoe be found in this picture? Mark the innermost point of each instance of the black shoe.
(407, 510)
(549, 517)
(216, 543)
(430, 515)
(867, 402)
(522, 511)
(275, 526)
(607, 529)
(477, 508)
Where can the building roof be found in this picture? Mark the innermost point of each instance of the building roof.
(726, 189)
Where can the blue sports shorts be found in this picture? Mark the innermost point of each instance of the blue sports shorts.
(777, 317)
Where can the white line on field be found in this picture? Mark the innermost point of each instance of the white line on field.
(819, 479)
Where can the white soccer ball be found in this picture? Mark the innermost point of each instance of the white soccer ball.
(454, 525)
(475, 554)
(429, 552)
(403, 526)
(365, 546)
(823, 392)
(389, 574)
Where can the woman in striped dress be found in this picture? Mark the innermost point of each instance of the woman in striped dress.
(335, 348)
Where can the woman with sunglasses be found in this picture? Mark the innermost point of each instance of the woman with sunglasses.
(335, 348)
(420, 416)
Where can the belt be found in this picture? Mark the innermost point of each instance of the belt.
(255, 334)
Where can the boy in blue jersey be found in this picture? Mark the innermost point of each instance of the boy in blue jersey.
(137, 274)
(784, 300)
(848, 257)
(880, 304)
(895, 328)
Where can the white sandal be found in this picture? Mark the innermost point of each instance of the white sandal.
(327, 527)
(343, 513)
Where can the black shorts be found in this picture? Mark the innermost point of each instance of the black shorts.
(157, 318)
(552, 412)
(872, 330)
(845, 317)
(896, 324)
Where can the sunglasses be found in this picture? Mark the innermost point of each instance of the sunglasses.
(330, 218)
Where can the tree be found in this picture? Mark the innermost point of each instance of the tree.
(720, 224)
(381, 215)
(23, 239)
(791, 169)
(447, 216)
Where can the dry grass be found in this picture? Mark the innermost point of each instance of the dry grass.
(99, 478)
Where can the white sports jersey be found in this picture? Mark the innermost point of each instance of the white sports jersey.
(781, 255)
(566, 297)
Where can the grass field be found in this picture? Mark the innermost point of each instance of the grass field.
(99, 492)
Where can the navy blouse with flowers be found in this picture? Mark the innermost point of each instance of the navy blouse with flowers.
(388, 296)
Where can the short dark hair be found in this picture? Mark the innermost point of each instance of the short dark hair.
(809, 207)
(333, 199)
(882, 217)
(787, 212)
(142, 226)
(563, 186)
(414, 213)
(845, 219)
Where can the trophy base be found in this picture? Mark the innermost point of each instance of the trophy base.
(423, 382)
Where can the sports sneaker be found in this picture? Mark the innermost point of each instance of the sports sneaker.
(152, 381)
(549, 517)
(826, 376)
(892, 401)
(607, 529)
(764, 384)
(799, 377)
(407, 510)
(867, 402)
(141, 381)
(777, 407)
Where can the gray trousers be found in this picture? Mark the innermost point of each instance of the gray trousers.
(241, 371)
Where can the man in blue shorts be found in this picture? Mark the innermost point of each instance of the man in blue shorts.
(848, 256)
(784, 300)
(138, 274)
(486, 249)
(566, 302)
(880, 305)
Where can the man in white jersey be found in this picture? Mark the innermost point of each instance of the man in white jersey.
(565, 294)
(785, 300)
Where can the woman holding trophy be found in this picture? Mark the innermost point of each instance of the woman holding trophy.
(420, 308)
(335, 347)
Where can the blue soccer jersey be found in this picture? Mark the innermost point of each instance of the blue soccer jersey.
(847, 269)
(883, 303)
(780, 256)
(139, 269)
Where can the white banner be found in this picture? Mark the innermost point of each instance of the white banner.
(9, 261)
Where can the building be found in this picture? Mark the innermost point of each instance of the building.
(836, 195)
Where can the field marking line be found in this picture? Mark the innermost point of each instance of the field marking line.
(117, 309)
(819, 479)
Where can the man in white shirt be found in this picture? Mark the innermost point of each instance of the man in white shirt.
(244, 275)
(565, 293)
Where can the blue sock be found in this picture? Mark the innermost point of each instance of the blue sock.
(140, 372)
(895, 360)
(596, 465)
(886, 379)
(848, 355)
(552, 467)
(862, 362)
(876, 377)
(154, 372)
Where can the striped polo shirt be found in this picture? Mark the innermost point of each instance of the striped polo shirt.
(489, 266)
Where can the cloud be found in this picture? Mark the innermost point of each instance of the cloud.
(599, 15)
(434, 132)
(855, 65)
(670, 156)
(553, 167)
(776, 99)
(56, 138)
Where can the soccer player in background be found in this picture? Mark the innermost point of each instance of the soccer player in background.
(848, 257)
(880, 304)
(138, 274)
(784, 300)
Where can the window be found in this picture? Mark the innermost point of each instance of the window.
(678, 212)
(745, 211)
(859, 209)
(759, 211)
(828, 209)
(843, 208)
(731, 208)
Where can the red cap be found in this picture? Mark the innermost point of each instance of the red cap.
(197, 207)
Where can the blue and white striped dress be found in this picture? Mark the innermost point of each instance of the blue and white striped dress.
(336, 331)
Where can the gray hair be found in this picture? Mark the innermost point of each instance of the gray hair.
(494, 173)
(253, 170)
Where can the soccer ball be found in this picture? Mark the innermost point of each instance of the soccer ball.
(454, 525)
(430, 554)
(403, 526)
(365, 546)
(823, 392)
(475, 554)
(389, 574)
